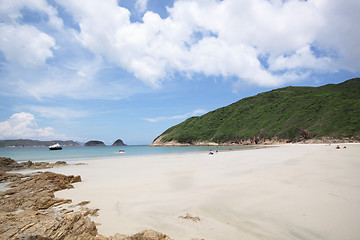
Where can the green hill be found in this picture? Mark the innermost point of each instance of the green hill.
(288, 114)
(35, 143)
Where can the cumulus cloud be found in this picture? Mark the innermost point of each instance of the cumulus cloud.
(140, 5)
(25, 45)
(262, 42)
(222, 38)
(11, 11)
(197, 112)
(23, 125)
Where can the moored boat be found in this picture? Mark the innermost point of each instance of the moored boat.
(55, 147)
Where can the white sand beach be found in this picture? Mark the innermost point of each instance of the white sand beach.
(295, 191)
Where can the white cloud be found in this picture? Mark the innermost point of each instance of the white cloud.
(218, 38)
(141, 5)
(197, 112)
(58, 112)
(226, 38)
(22, 43)
(25, 45)
(23, 125)
(302, 58)
(10, 11)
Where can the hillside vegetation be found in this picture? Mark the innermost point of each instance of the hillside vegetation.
(35, 143)
(94, 143)
(288, 114)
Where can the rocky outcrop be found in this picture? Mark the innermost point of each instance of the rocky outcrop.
(119, 142)
(27, 209)
(30, 210)
(255, 140)
(8, 164)
(94, 143)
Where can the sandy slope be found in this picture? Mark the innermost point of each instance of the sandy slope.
(284, 192)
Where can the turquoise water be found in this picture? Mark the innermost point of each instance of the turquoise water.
(86, 153)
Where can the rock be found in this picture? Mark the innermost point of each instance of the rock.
(60, 163)
(27, 211)
(8, 177)
(83, 203)
(35, 192)
(94, 143)
(7, 164)
(148, 235)
(145, 235)
(188, 216)
(119, 142)
(27, 225)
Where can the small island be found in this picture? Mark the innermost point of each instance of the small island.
(94, 143)
(119, 142)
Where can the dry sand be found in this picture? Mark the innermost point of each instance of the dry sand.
(285, 192)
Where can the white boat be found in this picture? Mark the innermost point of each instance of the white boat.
(55, 147)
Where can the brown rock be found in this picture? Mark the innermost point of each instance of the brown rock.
(7, 164)
(188, 216)
(27, 211)
(148, 235)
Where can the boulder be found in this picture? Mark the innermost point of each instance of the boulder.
(7, 164)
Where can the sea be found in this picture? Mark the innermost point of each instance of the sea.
(81, 153)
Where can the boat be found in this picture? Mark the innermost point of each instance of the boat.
(55, 147)
(121, 151)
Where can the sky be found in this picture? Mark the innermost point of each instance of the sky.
(129, 69)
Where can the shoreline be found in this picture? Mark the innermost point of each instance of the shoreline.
(287, 191)
(326, 140)
(273, 193)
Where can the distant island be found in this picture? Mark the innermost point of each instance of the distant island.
(35, 143)
(292, 114)
(119, 142)
(94, 143)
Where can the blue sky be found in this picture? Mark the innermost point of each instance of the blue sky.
(129, 69)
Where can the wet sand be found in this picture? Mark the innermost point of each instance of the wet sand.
(293, 191)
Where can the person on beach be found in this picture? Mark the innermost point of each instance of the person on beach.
(217, 149)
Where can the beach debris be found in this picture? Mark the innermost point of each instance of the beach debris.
(188, 216)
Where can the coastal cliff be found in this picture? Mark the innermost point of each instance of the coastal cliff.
(328, 113)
